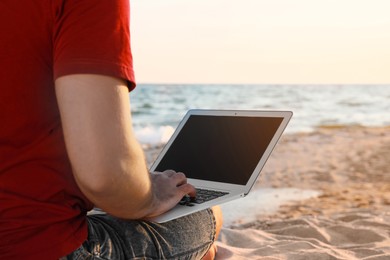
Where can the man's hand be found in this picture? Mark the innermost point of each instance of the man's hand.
(168, 187)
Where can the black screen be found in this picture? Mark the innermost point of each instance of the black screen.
(220, 148)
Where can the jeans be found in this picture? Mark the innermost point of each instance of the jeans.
(189, 237)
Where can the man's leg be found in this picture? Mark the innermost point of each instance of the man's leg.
(189, 237)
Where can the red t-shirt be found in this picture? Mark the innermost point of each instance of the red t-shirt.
(42, 211)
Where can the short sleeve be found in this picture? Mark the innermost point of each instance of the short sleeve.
(93, 37)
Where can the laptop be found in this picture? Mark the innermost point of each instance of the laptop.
(222, 153)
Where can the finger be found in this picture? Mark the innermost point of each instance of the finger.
(179, 178)
(187, 189)
(169, 173)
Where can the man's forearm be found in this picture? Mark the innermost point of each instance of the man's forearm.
(127, 192)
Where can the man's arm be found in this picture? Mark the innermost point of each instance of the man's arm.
(107, 161)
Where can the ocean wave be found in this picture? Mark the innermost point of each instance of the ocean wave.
(154, 136)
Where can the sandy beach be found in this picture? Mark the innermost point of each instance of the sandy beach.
(346, 215)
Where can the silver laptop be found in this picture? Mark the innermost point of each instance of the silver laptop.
(222, 153)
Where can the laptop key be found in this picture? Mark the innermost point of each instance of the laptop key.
(202, 196)
(186, 198)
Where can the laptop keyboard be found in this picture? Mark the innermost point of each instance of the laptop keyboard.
(202, 195)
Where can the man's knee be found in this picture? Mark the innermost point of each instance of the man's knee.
(218, 219)
(210, 255)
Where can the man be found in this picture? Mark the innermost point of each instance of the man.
(67, 144)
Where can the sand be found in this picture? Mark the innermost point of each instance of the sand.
(347, 216)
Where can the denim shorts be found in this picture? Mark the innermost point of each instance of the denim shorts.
(189, 237)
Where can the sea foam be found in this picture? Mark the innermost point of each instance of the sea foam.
(153, 136)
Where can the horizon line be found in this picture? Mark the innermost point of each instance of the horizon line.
(264, 84)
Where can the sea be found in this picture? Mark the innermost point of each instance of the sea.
(158, 108)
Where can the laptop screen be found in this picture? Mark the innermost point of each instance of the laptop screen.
(220, 148)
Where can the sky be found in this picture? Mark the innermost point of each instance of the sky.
(261, 41)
